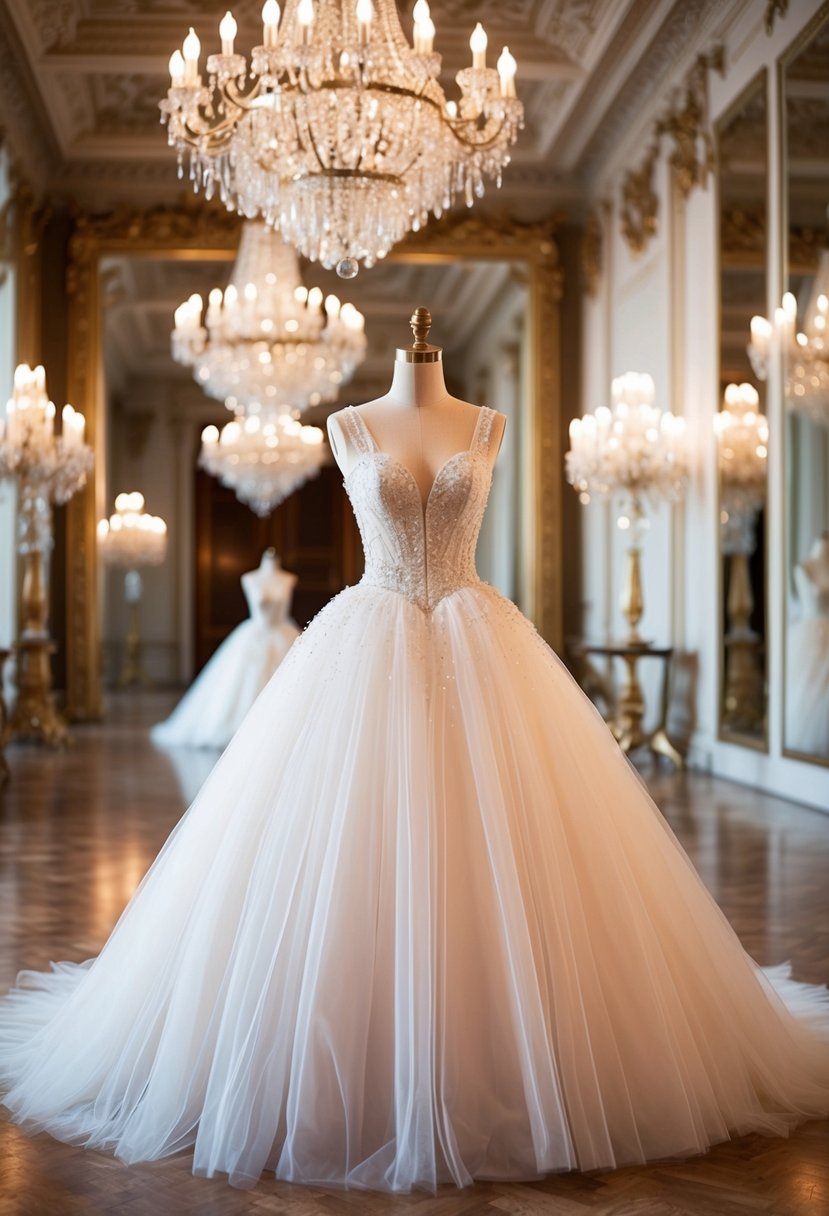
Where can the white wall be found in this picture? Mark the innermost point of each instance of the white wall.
(658, 312)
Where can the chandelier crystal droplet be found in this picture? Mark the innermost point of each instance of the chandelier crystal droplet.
(340, 134)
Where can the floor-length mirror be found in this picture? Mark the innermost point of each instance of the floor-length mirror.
(164, 626)
(741, 431)
(805, 97)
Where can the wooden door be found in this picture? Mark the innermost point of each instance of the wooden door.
(313, 532)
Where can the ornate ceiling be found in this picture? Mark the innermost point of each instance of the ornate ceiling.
(80, 82)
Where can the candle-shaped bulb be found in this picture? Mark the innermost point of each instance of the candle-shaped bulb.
(270, 22)
(477, 45)
(250, 292)
(176, 69)
(215, 297)
(210, 434)
(40, 377)
(314, 297)
(227, 32)
(790, 305)
(365, 15)
(424, 29)
(305, 16)
(507, 67)
(332, 305)
(192, 49)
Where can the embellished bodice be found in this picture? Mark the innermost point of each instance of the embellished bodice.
(422, 552)
(269, 601)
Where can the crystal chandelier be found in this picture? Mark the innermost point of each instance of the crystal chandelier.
(48, 468)
(30, 451)
(267, 342)
(131, 538)
(262, 461)
(805, 352)
(742, 442)
(636, 451)
(343, 138)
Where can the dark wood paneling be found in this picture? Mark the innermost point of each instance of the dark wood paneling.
(313, 532)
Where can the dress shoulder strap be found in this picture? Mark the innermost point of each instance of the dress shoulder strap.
(359, 436)
(483, 430)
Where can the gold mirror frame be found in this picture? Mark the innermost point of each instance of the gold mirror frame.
(798, 254)
(745, 235)
(198, 232)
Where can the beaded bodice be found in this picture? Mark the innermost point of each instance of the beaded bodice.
(268, 599)
(422, 552)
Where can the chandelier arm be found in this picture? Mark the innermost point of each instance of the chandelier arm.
(482, 145)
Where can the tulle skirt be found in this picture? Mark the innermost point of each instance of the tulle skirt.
(422, 924)
(215, 705)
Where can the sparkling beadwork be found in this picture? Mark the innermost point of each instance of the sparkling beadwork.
(422, 553)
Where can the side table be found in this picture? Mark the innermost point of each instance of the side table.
(626, 721)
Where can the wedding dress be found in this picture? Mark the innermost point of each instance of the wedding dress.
(807, 661)
(423, 923)
(213, 708)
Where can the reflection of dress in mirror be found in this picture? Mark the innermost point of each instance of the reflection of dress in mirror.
(807, 656)
(214, 706)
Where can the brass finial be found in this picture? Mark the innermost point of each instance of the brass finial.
(420, 351)
(421, 323)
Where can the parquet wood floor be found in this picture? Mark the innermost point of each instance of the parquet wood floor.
(77, 830)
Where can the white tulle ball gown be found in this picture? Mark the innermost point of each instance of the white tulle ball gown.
(422, 924)
(215, 704)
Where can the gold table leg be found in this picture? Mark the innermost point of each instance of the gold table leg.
(627, 726)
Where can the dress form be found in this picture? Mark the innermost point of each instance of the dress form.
(811, 578)
(268, 589)
(418, 422)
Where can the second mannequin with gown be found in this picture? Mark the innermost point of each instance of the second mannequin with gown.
(215, 705)
(423, 923)
(807, 656)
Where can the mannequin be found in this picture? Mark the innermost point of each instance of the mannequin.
(417, 423)
(268, 589)
(811, 578)
(217, 701)
(807, 656)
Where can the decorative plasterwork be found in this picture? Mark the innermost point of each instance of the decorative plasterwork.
(680, 31)
(743, 236)
(640, 203)
(687, 125)
(774, 9)
(743, 241)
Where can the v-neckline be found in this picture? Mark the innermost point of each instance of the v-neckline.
(378, 451)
